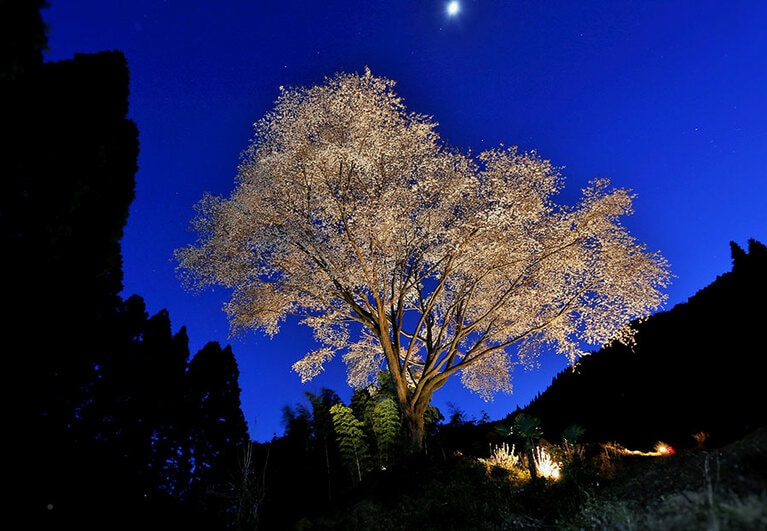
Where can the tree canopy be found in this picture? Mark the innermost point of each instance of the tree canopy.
(402, 252)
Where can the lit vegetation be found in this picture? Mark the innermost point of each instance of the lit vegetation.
(606, 489)
(351, 440)
(502, 457)
(545, 464)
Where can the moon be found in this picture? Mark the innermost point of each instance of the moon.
(453, 8)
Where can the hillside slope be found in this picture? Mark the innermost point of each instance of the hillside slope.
(696, 368)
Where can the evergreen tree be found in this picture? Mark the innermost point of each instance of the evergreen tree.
(218, 431)
(101, 420)
(69, 162)
(22, 38)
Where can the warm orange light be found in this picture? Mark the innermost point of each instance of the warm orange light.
(661, 449)
(664, 449)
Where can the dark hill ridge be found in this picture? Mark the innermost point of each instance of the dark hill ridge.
(696, 368)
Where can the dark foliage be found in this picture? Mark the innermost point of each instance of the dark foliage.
(721, 488)
(22, 37)
(695, 369)
(109, 424)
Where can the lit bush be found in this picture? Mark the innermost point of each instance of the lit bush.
(545, 464)
(503, 457)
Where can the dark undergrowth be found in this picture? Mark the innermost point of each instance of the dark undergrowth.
(599, 488)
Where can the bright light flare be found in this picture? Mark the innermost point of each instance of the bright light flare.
(664, 449)
(661, 449)
(453, 8)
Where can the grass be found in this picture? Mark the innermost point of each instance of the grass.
(600, 488)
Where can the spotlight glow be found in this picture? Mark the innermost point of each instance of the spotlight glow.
(453, 8)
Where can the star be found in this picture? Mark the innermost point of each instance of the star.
(453, 8)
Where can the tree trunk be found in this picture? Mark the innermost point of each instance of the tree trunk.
(531, 461)
(414, 440)
(415, 432)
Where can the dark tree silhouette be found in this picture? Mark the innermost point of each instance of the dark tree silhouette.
(308, 479)
(695, 369)
(218, 430)
(22, 38)
(103, 408)
(69, 161)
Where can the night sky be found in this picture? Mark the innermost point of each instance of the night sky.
(668, 99)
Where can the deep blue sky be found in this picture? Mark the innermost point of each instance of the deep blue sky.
(666, 98)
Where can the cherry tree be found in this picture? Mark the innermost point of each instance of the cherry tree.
(404, 254)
